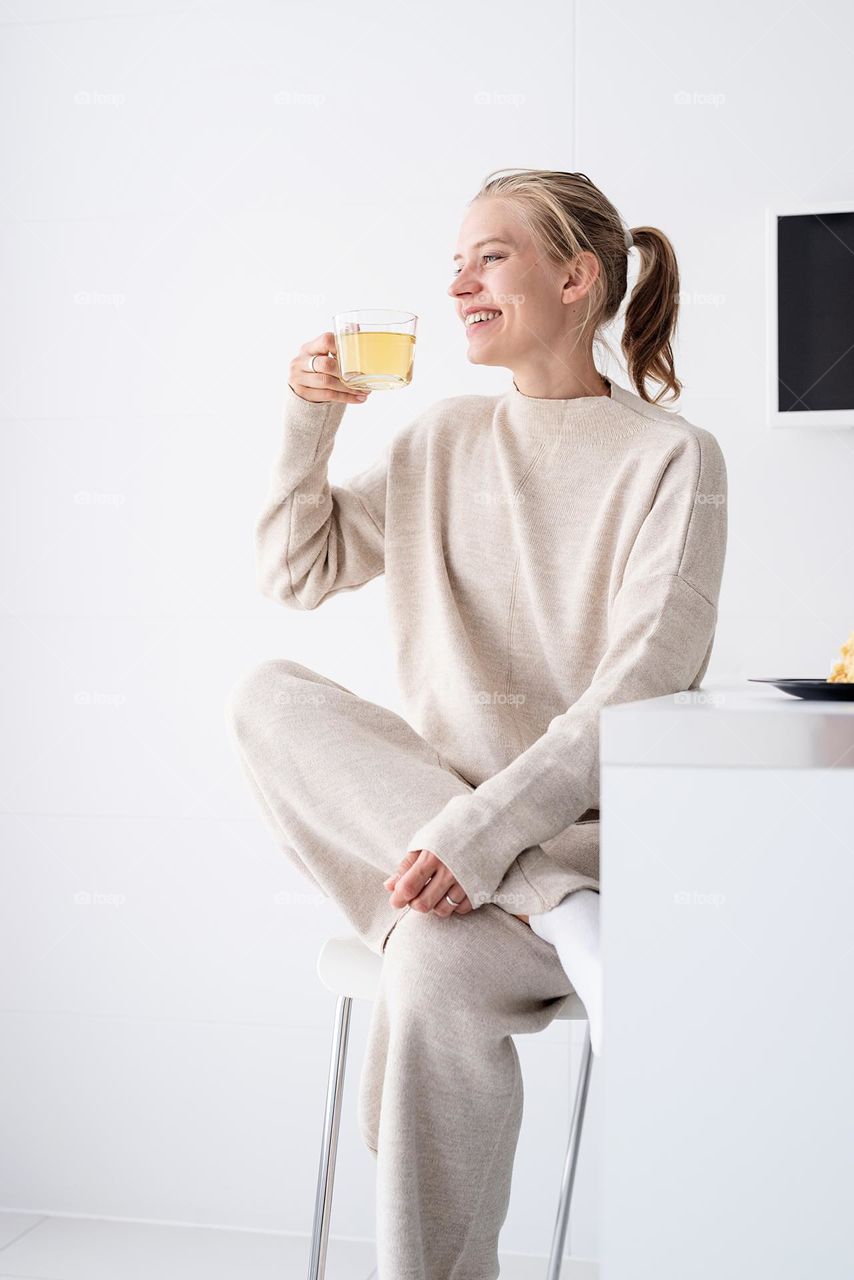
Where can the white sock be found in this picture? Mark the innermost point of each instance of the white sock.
(572, 927)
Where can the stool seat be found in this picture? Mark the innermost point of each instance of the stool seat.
(349, 968)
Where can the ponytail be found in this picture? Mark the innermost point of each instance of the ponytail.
(650, 319)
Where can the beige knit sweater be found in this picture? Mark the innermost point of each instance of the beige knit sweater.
(543, 559)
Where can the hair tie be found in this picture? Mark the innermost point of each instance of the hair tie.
(629, 238)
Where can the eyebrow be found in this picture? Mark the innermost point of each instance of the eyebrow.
(488, 240)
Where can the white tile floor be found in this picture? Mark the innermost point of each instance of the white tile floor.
(38, 1247)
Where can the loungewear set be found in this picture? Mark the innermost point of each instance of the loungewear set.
(542, 559)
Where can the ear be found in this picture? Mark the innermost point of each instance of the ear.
(580, 273)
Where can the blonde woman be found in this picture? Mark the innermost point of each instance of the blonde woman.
(547, 551)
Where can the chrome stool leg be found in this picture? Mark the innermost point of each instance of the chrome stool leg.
(562, 1220)
(329, 1144)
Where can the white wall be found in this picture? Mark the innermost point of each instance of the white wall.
(189, 192)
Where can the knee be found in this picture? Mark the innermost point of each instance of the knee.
(428, 955)
(264, 689)
(453, 975)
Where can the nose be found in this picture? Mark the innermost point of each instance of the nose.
(466, 282)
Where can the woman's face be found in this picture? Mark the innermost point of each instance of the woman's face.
(498, 268)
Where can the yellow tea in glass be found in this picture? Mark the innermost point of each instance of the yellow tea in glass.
(376, 348)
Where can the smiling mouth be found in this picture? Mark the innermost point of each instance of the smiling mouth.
(482, 324)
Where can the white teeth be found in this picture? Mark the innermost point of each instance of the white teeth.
(481, 315)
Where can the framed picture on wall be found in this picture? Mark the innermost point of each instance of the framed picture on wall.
(810, 322)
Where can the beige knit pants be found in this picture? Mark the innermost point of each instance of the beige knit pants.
(344, 782)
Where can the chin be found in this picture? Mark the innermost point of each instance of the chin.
(476, 356)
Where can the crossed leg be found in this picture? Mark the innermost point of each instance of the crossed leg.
(342, 781)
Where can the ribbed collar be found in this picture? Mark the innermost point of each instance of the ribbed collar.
(580, 418)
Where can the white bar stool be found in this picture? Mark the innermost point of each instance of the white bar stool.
(350, 969)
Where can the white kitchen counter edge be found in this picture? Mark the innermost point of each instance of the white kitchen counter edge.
(729, 726)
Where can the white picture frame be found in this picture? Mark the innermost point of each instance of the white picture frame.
(774, 417)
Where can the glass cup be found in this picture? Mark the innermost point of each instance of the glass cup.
(376, 348)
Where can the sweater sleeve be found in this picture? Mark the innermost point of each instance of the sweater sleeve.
(313, 539)
(661, 626)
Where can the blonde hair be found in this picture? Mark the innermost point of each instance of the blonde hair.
(567, 213)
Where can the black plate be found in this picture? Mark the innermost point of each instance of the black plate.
(825, 689)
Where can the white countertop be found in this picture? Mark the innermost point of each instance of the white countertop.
(730, 726)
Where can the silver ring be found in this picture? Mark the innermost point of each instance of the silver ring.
(313, 358)
(448, 898)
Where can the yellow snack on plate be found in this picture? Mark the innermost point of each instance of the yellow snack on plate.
(843, 670)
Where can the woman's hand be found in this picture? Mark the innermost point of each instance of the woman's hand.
(421, 881)
(325, 383)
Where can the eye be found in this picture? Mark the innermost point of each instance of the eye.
(483, 256)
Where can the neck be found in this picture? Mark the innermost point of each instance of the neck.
(572, 420)
(562, 382)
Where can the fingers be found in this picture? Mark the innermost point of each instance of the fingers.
(415, 870)
(320, 366)
(424, 882)
(323, 381)
(445, 908)
(321, 344)
(433, 893)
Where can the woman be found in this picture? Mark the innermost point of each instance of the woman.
(547, 552)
